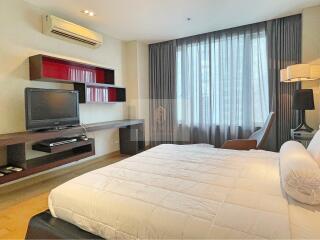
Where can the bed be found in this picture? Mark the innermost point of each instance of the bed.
(185, 192)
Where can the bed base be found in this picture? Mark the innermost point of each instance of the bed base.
(44, 226)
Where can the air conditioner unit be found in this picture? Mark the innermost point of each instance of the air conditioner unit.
(61, 28)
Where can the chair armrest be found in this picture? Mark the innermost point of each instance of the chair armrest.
(240, 144)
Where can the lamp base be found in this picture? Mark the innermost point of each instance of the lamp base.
(303, 126)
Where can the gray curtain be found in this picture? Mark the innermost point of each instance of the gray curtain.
(284, 48)
(222, 84)
(162, 89)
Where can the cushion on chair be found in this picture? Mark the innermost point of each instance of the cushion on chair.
(240, 144)
(314, 147)
(300, 174)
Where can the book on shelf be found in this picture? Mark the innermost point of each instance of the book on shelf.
(96, 94)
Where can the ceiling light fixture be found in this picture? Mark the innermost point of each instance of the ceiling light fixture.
(89, 13)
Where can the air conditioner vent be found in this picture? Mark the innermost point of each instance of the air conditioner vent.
(73, 37)
(61, 28)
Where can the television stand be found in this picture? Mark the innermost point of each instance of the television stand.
(15, 144)
(60, 155)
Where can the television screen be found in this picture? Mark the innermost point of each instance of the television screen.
(47, 108)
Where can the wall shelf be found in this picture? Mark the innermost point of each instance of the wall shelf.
(98, 93)
(95, 84)
(52, 69)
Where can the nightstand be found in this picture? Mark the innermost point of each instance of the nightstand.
(302, 136)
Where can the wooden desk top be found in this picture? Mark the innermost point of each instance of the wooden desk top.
(28, 136)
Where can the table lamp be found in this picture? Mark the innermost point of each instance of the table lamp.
(303, 100)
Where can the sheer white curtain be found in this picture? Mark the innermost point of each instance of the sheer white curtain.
(222, 84)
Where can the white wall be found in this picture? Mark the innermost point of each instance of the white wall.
(132, 77)
(21, 37)
(143, 74)
(137, 69)
(311, 54)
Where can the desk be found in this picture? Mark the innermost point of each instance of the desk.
(16, 146)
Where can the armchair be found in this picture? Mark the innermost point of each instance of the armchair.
(256, 141)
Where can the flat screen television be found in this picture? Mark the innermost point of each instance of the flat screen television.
(51, 108)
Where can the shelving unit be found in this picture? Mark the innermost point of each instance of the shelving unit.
(15, 144)
(95, 84)
(65, 154)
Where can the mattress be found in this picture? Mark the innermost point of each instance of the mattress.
(185, 192)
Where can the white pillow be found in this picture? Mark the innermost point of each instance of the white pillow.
(314, 147)
(300, 174)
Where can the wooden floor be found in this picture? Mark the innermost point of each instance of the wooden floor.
(17, 207)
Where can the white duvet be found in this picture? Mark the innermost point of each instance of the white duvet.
(186, 192)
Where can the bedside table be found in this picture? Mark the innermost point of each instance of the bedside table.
(302, 136)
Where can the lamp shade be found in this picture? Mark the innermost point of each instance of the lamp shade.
(300, 72)
(303, 100)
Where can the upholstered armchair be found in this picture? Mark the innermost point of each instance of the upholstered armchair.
(256, 141)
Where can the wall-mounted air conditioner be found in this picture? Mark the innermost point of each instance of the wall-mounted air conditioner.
(61, 28)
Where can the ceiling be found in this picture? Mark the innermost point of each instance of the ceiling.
(159, 20)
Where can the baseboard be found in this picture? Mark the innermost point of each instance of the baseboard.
(59, 171)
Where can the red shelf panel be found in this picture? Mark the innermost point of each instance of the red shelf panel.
(112, 94)
(54, 69)
(100, 76)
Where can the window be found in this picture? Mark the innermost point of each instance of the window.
(222, 80)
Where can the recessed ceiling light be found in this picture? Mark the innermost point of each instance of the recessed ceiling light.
(89, 13)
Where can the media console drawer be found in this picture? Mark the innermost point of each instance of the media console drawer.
(63, 155)
(63, 147)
